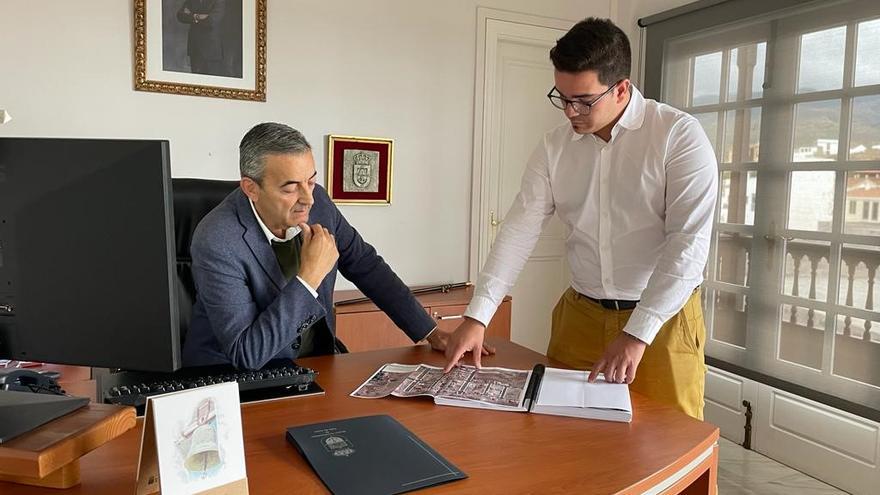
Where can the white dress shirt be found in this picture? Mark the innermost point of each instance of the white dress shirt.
(290, 234)
(638, 210)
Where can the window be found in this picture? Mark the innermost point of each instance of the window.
(790, 102)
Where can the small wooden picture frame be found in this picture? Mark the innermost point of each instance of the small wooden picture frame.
(359, 170)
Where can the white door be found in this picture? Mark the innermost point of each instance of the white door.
(514, 74)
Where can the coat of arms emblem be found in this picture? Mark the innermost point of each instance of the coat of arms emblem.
(360, 171)
(363, 169)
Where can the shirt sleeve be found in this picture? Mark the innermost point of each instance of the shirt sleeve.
(531, 210)
(307, 286)
(691, 190)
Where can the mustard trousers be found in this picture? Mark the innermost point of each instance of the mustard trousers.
(673, 368)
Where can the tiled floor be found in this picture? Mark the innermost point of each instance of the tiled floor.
(746, 472)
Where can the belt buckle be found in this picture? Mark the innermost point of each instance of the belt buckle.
(616, 305)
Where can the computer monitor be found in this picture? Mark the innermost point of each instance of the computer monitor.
(87, 262)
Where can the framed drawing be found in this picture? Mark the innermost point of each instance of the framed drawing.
(359, 169)
(201, 47)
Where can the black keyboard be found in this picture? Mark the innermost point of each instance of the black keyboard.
(279, 378)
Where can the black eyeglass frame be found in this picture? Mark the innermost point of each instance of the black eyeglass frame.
(579, 106)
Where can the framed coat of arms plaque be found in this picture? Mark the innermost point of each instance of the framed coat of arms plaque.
(359, 169)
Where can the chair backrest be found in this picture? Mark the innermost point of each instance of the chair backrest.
(193, 199)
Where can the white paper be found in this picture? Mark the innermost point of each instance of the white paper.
(571, 388)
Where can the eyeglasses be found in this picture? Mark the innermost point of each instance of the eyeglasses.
(580, 106)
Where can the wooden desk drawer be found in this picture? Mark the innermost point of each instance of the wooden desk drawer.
(368, 331)
(449, 317)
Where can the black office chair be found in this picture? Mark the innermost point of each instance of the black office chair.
(193, 199)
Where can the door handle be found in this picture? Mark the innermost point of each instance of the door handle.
(492, 220)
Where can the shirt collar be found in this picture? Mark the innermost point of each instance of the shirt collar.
(633, 116)
(290, 234)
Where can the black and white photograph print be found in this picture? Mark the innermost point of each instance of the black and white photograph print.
(201, 47)
(202, 37)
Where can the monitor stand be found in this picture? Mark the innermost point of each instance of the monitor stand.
(21, 412)
(48, 455)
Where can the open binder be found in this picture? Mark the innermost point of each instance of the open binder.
(541, 390)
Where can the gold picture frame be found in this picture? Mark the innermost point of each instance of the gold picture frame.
(219, 53)
(359, 169)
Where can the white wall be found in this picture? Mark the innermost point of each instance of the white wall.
(393, 68)
(627, 13)
(402, 69)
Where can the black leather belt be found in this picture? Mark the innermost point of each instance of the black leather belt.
(615, 304)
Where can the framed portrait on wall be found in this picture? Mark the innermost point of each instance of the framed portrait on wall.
(359, 169)
(201, 47)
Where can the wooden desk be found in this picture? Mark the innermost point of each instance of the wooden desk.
(502, 452)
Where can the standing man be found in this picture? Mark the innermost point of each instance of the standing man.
(635, 182)
(204, 43)
(264, 262)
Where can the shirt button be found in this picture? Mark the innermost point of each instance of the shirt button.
(607, 280)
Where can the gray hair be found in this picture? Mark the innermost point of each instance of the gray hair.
(265, 139)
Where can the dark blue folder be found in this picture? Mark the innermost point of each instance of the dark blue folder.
(370, 455)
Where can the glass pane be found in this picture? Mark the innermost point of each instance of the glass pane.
(758, 76)
(801, 335)
(806, 269)
(732, 264)
(816, 131)
(746, 60)
(707, 79)
(728, 145)
(821, 60)
(857, 349)
(862, 203)
(729, 320)
(867, 62)
(864, 141)
(754, 125)
(733, 74)
(709, 121)
(736, 132)
(738, 197)
(859, 287)
(811, 201)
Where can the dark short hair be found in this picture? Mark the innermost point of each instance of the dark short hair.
(594, 44)
(265, 139)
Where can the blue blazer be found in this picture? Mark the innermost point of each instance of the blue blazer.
(247, 313)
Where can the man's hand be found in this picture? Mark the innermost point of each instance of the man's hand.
(439, 340)
(620, 360)
(318, 254)
(467, 337)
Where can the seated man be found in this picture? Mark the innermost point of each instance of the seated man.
(264, 277)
